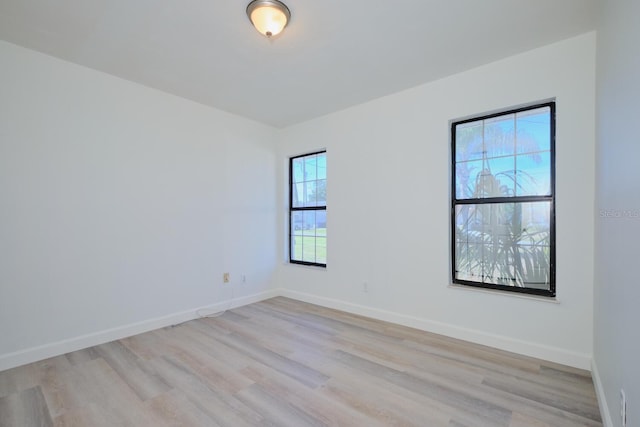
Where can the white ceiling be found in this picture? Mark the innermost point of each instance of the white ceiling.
(333, 54)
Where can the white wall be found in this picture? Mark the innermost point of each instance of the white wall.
(617, 291)
(388, 206)
(121, 207)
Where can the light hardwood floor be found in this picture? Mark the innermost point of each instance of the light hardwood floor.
(282, 362)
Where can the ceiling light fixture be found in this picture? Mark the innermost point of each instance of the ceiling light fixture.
(268, 16)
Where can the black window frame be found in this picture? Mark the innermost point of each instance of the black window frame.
(551, 292)
(301, 209)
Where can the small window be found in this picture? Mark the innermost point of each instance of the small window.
(503, 200)
(308, 209)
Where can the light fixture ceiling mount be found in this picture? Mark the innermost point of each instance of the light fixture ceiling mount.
(268, 16)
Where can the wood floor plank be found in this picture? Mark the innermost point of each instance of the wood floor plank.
(492, 413)
(98, 386)
(296, 370)
(92, 414)
(82, 356)
(25, 408)
(137, 373)
(223, 408)
(310, 401)
(275, 410)
(387, 403)
(282, 362)
(570, 403)
(18, 379)
(520, 420)
(176, 410)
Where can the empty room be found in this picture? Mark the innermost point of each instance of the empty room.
(319, 213)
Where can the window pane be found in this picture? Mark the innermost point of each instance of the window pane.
(321, 250)
(296, 248)
(321, 192)
(469, 261)
(534, 174)
(322, 166)
(310, 194)
(499, 136)
(485, 161)
(309, 250)
(321, 223)
(296, 222)
(309, 236)
(310, 169)
(479, 179)
(504, 243)
(309, 223)
(534, 130)
(468, 177)
(499, 180)
(297, 195)
(298, 170)
(469, 141)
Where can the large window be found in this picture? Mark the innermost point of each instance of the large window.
(308, 209)
(502, 201)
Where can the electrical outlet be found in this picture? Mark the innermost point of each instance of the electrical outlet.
(623, 408)
(225, 278)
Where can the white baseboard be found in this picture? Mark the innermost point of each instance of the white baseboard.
(602, 401)
(34, 354)
(552, 354)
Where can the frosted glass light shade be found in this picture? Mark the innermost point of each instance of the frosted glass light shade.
(268, 16)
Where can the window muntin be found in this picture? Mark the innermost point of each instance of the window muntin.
(502, 204)
(308, 209)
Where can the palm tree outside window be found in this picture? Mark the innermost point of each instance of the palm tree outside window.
(503, 200)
